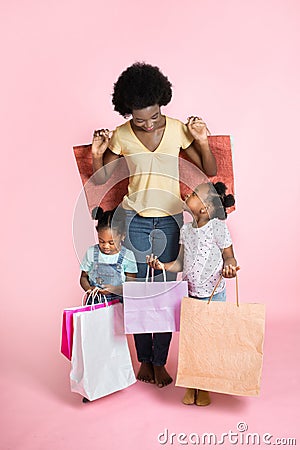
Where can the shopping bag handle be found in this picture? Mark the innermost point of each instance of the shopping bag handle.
(236, 290)
(85, 297)
(152, 274)
(93, 294)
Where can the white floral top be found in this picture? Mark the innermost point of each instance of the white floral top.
(202, 260)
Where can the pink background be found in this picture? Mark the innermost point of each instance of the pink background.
(234, 63)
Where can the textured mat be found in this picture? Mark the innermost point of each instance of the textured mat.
(110, 195)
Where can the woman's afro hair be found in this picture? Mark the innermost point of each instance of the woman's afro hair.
(139, 86)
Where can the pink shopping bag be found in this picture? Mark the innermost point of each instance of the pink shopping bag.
(67, 325)
(153, 307)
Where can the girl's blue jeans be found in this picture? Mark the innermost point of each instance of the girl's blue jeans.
(219, 297)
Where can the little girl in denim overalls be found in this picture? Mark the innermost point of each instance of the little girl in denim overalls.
(108, 264)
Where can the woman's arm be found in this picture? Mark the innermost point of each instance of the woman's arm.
(230, 266)
(199, 152)
(102, 157)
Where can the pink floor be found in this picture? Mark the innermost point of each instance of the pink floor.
(40, 413)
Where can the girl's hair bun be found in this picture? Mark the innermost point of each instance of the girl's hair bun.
(228, 201)
(114, 218)
(97, 213)
(221, 201)
(220, 188)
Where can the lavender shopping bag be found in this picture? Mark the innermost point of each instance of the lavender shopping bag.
(153, 307)
(67, 325)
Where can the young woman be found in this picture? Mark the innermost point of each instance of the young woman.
(150, 143)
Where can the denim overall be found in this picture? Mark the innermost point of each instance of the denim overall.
(103, 273)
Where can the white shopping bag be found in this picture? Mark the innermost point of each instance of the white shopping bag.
(101, 362)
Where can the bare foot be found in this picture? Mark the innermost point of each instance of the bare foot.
(162, 378)
(189, 396)
(146, 373)
(203, 398)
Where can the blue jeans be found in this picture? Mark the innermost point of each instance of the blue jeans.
(160, 236)
(219, 297)
(157, 235)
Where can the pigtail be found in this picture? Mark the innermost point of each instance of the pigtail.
(229, 201)
(114, 218)
(226, 201)
(220, 188)
(97, 213)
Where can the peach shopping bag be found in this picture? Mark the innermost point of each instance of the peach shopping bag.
(221, 346)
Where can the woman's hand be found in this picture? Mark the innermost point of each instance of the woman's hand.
(197, 128)
(229, 271)
(100, 142)
(154, 262)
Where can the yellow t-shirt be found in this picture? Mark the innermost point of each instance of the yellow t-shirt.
(153, 189)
